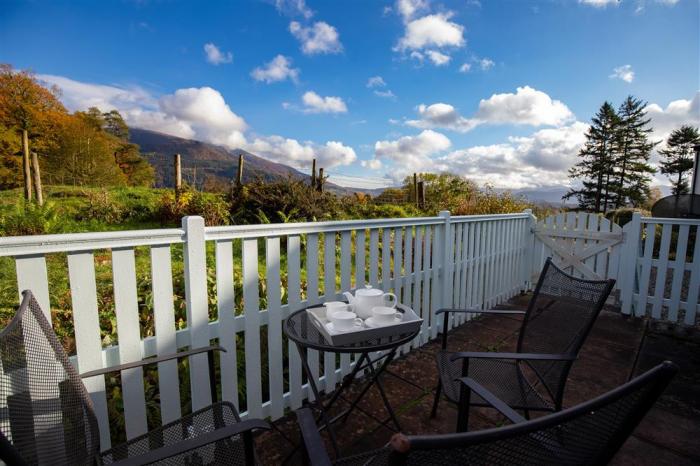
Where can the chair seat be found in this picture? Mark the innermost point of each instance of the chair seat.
(225, 452)
(502, 377)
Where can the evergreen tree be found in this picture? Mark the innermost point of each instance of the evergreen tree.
(678, 156)
(596, 167)
(634, 149)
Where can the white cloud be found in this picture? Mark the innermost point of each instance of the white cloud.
(527, 106)
(600, 3)
(438, 59)
(320, 38)
(486, 64)
(385, 94)
(215, 56)
(278, 69)
(408, 8)
(441, 115)
(314, 103)
(376, 81)
(624, 72)
(677, 113)
(372, 164)
(465, 68)
(300, 155)
(197, 113)
(667, 2)
(412, 153)
(293, 8)
(435, 30)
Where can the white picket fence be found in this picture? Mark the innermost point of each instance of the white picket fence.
(428, 263)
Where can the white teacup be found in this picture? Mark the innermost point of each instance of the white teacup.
(335, 306)
(385, 315)
(345, 320)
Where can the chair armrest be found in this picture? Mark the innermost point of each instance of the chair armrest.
(516, 356)
(193, 443)
(478, 311)
(313, 445)
(145, 362)
(491, 399)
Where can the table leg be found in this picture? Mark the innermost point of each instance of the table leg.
(317, 398)
(375, 373)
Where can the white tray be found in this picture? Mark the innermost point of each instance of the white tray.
(410, 323)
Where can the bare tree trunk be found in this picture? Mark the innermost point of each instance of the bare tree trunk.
(38, 190)
(239, 177)
(26, 166)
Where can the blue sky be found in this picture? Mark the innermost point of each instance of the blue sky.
(499, 91)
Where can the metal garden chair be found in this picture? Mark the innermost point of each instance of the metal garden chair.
(47, 416)
(559, 317)
(588, 434)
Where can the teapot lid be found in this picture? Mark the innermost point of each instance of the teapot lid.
(368, 291)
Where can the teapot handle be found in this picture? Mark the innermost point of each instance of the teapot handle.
(390, 299)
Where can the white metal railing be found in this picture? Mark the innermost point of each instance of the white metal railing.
(428, 263)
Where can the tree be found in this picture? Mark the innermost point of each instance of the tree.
(28, 107)
(115, 125)
(443, 191)
(633, 152)
(678, 157)
(595, 170)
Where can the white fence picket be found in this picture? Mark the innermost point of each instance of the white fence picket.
(86, 324)
(274, 325)
(128, 330)
(661, 269)
(32, 275)
(329, 291)
(312, 275)
(251, 309)
(345, 279)
(694, 284)
(164, 316)
(294, 299)
(226, 311)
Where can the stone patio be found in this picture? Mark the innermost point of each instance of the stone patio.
(617, 347)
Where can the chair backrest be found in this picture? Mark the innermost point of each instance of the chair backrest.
(559, 316)
(46, 416)
(590, 433)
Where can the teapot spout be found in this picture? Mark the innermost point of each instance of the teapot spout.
(349, 296)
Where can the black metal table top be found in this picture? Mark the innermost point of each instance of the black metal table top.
(299, 328)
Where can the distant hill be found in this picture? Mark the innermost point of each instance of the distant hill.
(202, 161)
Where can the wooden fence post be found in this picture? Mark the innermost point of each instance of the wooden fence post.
(26, 166)
(239, 176)
(313, 174)
(415, 189)
(178, 176)
(320, 180)
(421, 194)
(196, 300)
(37, 179)
(628, 265)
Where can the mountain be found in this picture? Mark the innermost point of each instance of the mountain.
(203, 162)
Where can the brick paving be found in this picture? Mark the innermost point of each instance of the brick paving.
(616, 347)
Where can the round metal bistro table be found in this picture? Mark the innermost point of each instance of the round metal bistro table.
(300, 329)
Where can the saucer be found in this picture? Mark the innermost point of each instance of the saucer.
(370, 322)
(332, 329)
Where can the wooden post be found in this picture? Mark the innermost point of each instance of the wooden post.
(421, 194)
(37, 179)
(178, 176)
(239, 177)
(415, 189)
(313, 174)
(320, 180)
(26, 166)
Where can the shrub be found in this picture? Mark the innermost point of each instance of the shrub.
(623, 215)
(29, 218)
(100, 206)
(213, 207)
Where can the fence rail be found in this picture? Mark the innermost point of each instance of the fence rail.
(241, 282)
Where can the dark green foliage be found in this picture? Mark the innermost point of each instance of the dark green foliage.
(678, 157)
(28, 218)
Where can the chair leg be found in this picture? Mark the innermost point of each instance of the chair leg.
(438, 392)
(526, 414)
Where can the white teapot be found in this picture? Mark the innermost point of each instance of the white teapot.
(367, 298)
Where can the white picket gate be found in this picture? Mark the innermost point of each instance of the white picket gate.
(428, 263)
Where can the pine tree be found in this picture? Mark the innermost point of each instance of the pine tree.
(634, 149)
(596, 168)
(678, 156)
